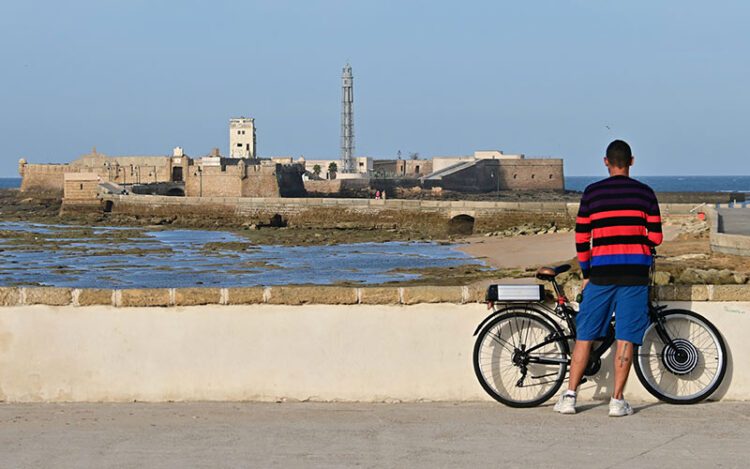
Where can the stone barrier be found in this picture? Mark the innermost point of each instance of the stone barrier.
(303, 295)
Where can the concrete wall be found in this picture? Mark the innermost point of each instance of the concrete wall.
(733, 242)
(373, 344)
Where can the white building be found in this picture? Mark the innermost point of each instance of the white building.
(242, 137)
(362, 167)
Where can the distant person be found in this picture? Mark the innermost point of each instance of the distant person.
(618, 224)
(382, 195)
(377, 195)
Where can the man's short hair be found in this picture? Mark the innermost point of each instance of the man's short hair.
(619, 154)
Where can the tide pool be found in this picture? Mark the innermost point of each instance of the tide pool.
(86, 257)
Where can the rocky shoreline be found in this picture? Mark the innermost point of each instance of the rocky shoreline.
(688, 259)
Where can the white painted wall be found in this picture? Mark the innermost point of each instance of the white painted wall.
(268, 352)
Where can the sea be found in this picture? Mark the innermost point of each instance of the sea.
(674, 183)
(579, 183)
(10, 183)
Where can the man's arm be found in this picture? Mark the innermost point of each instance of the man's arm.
(653, 223)
(583, 237)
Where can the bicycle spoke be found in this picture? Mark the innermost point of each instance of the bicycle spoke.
(524, 381)
(692, 336)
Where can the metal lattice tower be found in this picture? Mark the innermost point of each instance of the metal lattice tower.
(347, 121)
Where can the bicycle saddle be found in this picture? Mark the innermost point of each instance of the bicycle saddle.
(549, 273)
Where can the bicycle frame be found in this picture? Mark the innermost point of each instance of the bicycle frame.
(540, 347)
(566, 313)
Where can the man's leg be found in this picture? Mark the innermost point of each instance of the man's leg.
(623, 360)
(578, 363)
(631, 304)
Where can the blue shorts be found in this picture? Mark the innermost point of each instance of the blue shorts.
(629, 303)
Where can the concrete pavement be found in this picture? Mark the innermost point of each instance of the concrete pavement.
(370, 435)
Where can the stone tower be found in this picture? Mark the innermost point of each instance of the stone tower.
(242, 137)
(347, 121)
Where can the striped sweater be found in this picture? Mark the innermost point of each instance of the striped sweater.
(618, 223)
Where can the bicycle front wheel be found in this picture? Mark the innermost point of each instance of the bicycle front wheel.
(520, 359)
(688, 369)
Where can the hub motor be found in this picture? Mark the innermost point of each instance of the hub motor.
(680, 357)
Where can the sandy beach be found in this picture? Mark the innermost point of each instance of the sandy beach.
(531, 251)
(522, 251)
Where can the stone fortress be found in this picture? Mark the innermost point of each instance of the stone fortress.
(240, 175)
(245, 174)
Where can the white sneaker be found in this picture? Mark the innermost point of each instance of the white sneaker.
(619, 408)
(566, 404)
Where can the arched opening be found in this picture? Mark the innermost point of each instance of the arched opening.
(108, 206)
(461, 225)
(176, 192)
(277, 221)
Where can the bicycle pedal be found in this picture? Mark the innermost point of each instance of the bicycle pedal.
(583, 380)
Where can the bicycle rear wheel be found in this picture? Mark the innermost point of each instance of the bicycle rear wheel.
(690, 368)
(520, 359)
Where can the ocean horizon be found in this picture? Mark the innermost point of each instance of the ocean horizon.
(579, 183)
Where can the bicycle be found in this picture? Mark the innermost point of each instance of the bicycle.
(522, 351)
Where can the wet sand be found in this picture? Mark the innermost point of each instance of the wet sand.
(531, 251)
(522, 251)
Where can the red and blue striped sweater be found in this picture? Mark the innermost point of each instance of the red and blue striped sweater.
(618, 223)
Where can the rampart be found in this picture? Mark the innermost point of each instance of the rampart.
(283, 343)
(45, 177)
(244, 180)
(118, 169)
(532, 174)
(426, 215)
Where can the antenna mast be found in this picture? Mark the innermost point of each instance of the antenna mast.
(347, 120)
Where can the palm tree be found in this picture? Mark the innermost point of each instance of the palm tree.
(316, 171)
(332, 170)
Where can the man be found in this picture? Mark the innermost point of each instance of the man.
(617, 225)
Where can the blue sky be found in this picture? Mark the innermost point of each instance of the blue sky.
(434, 77)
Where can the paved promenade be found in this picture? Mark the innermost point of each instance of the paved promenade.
(370, 435)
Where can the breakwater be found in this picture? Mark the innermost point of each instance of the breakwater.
(437, 217)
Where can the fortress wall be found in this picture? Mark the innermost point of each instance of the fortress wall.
(44, 177)
(428, 216)
(423, 216)
(211, 181)
(243, 181)
(289, 181)
(323, 186)
(532, 174)
(295, 343)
